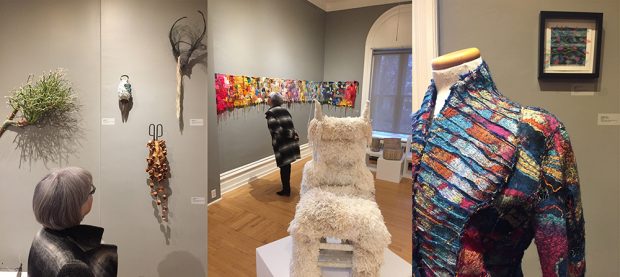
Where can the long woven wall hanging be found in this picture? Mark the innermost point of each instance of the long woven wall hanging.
(241, 91)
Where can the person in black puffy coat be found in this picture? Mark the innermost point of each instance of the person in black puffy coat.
(284, 139)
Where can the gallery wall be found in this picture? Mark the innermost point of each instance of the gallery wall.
(506, 32)
(38, 36)
(97, 41)
(134, 41)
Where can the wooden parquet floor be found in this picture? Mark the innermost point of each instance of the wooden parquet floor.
(253, 215)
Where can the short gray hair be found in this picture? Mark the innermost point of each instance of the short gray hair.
(59, 196)
(276, 99)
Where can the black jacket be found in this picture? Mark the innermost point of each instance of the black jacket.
(284, 139)
(76, 251)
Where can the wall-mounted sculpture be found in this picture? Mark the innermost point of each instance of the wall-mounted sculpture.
(51, 94)
(158, 169)
(241, 91)
(338, 205)
(125, 97)
(188, 50)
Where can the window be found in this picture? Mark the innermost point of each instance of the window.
(390, 91)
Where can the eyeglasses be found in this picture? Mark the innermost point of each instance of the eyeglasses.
(93, 190)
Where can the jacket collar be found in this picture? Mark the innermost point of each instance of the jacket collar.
(476, 83)
(86, 237)
(273, 108)
(476, 100)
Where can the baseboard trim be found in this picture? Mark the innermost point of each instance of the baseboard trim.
(240, 176)
(214, 201)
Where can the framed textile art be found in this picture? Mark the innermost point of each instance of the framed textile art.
(242, 91)
(569, 45)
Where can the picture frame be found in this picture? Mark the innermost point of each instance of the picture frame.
(569, 45)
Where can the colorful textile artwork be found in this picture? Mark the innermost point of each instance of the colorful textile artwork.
(568, 46)
(490, 176)
(242, 91)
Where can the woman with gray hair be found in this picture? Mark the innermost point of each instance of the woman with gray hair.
(284, 139)
(64, 247)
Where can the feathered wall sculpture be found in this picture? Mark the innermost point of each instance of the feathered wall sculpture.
(188, 50)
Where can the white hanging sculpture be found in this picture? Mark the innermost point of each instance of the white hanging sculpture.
(125, 97)
(338, 197)
(124, 88)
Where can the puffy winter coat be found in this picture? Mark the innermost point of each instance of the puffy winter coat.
(284, 138)
(76, 251)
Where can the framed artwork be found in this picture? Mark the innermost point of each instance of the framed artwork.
(569, 45)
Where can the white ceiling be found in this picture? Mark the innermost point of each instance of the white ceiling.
(335, 5)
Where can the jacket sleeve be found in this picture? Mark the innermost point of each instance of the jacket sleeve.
(289, 128)
(558, 222)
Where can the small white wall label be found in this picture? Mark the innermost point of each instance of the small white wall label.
(582, 93)
(196, 122)
(609, 119)
(198, 200)
(106, 121)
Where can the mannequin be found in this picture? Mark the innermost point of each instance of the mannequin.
(448, 68)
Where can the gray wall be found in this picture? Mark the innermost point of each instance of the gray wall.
(134, 41)
(36, 37)
(506, 32)
(345, 41)
(97, 41)
(266, 38)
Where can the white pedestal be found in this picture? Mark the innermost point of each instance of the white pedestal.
(274, 259)
(389, 170)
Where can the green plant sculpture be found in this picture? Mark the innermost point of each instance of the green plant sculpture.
(50, 94)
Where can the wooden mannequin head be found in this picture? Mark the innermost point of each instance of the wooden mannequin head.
(455, 58)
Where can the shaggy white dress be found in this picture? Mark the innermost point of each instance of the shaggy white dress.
(338, 197)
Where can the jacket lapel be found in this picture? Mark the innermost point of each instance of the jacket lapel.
(469, 150)
(421, 122)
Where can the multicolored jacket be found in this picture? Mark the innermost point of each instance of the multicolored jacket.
(489, 176)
